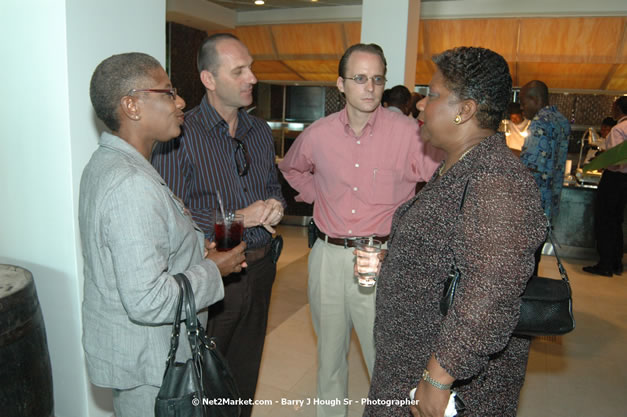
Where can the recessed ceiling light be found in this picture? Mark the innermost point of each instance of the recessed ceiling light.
(259, 2)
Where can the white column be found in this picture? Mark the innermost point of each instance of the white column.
(50, 49)
(393, 25)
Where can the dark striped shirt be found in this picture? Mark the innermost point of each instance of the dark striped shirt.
(202, 161)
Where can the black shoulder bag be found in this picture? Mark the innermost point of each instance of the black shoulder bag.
(546, 307)
(203, 386)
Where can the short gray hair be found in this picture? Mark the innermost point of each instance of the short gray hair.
(208, 58)
(113, 78)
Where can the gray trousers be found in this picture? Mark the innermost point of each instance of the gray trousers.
(135, 402)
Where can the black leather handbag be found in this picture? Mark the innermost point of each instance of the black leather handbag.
(547, 305)
(203, 386)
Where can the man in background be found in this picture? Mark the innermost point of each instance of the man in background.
(397, 99)
(545, 149)
(356, 166)
(515, 128)
(610, 203)
(225, 152)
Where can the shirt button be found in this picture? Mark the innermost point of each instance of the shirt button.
(350, 232)
(359, 142)
(356, 165)
(355, 189)
(353, 211)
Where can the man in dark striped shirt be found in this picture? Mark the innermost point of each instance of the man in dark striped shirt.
(222, 149)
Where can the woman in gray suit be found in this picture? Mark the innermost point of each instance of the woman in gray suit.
(136, 235)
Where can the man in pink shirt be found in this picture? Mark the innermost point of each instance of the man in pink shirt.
(356, 166)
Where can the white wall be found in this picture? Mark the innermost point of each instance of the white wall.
(49, 50)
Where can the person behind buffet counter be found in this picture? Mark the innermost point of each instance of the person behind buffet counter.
(515, 128)
(610, 203)
(545, 149)
(592, 151)
(225, 151)
(462, 217)
(356, 166)
(136, 235)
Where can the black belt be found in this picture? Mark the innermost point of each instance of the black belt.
(253, 255)
(348, 242)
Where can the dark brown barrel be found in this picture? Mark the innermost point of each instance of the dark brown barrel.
(25, 375)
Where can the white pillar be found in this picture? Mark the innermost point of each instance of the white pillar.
(393, 25)
(49, 130)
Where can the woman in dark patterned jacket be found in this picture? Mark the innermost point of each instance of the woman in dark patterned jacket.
(491, 239)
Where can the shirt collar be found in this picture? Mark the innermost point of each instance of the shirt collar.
(212, 118)
(114, 142)
(370, 124)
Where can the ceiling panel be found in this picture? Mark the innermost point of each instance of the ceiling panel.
(243, 6)
(568, 53)
(424, 72)
(325, 78)
(258, 39)
(309, 39)
(270, 66)
(273, 76)
(573, 39)
(619, 80)
(315, 67)
(558, 75)
(353, 33)
(500, 35)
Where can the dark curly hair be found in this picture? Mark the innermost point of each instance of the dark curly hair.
(113, 78)
(481, 75)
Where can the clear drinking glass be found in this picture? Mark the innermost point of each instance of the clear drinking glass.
(367, 261)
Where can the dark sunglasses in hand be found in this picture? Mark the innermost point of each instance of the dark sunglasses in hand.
(242, 158)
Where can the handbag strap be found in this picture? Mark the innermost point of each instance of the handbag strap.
(176, 327)
(549, 229)
(560, 267)
(191, 319)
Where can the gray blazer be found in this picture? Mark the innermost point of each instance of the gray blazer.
(135, 236)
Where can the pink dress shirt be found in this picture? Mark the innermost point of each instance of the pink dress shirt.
(357, 182)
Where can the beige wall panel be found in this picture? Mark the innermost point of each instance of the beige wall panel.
(309, 39)
(499, 35)
(578, 40)
(586, 76)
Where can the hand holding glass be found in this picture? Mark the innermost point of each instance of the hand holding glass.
(228, 229)
(367, 263)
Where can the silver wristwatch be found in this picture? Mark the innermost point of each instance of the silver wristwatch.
(439, 385)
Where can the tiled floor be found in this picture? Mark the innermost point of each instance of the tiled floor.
(582, 374)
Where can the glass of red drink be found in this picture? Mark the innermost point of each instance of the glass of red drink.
(228, 230)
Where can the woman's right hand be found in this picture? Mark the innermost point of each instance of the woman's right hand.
(368, 262)
(229, 261)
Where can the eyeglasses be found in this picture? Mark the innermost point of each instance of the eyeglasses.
(363, 79)
(242, 159)
(169, 91)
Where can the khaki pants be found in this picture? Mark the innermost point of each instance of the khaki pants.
(337, 305)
